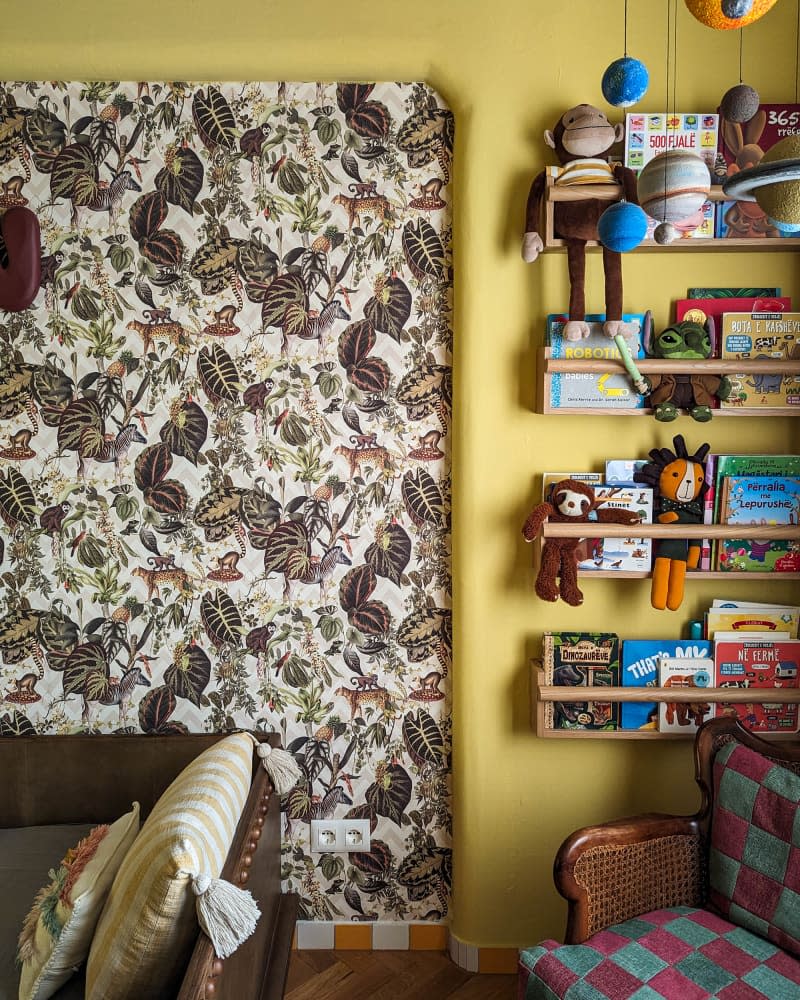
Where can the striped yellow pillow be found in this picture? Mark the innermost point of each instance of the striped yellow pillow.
(145, 934)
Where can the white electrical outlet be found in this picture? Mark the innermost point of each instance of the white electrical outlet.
(356, 834)
(338, 836)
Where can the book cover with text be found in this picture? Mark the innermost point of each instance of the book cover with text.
(581, 659)
(682, 672)
(757, 664)
(640, 669)
(773, 336)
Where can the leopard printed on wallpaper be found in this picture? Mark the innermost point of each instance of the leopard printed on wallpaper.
(224, 431)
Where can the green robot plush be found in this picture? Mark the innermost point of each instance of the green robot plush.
(668, 393)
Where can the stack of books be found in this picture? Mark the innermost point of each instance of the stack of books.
(752, 646)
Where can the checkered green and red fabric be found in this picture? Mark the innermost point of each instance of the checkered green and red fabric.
(754, 859)
(679, 954)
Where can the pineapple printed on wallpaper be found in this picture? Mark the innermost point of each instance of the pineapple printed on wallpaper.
(224, 445)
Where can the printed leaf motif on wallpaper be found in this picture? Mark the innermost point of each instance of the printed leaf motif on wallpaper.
(224, 445)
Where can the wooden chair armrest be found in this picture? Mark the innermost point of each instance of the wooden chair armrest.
(618, 870)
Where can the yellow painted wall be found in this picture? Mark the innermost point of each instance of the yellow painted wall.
(507, 68)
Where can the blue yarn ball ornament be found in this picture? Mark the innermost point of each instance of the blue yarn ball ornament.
(625, 82)
(622, 227)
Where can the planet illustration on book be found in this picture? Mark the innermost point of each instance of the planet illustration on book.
(702, 679)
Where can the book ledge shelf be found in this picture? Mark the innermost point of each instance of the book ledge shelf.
(542, 693)
(719, 366)
(612, 192)
(791, 531)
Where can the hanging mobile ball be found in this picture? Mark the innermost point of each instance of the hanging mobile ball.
(622, 227)
(723, 14)
(740, 103)
(625, 82)
(665, 233)
(673, 186)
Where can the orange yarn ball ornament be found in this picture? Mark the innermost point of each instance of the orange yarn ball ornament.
(709, 12)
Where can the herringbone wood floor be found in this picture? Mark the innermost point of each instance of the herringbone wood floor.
(389, 975)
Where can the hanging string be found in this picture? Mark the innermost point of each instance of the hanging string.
(796, 51)
(625, 43)
(674, 56)
(741, 46)
(666, 89)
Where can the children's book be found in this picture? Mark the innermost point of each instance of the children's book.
(648, 135)
(640, 669)
(732, 293)
(760, 618)
(682, 672)
(620, 471)
(759, 663)
(772, 336)
(759, 500)
(582, 659)
(597, 345)
(550, 478)
(606, 390)
(628, 553)
(752, 465)
(706, 548)
(770, 124)
(699, 310)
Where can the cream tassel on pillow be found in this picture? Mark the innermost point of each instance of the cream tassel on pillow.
(227, 914)
(282, 768)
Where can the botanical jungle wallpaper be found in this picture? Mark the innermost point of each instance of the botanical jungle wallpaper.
(224, 445)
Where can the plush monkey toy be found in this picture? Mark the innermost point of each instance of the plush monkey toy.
(571, 502)
(582, 139)
(678, 479)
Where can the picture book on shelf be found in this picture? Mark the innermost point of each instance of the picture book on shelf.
(751, 465)
(770, 336)
(731, 293)
(581, 659)
(550, 478)
(706, 546)
(640, 669)
(610, 390)
(747, 618)
(762, 500)
(647, 135)
(699, 310)
(770, 124)
(622, 470)
(758, 663)
(620, 554)
(682, 672)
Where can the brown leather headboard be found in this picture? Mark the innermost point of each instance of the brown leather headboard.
(90, 779)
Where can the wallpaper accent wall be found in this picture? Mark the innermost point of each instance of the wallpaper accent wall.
(224, 445)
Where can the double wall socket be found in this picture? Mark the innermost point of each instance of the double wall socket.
(332, 836)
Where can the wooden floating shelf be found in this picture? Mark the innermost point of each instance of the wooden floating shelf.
(613, 192)
(555, 530)
(542, 693)
(691, 575)
(584, 366)
(733, 695)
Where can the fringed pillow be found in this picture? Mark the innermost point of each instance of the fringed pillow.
(149, 925)
(57, 933)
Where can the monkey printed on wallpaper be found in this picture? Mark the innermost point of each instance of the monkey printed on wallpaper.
(224, 445)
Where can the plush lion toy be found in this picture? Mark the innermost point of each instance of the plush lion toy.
(571, 502)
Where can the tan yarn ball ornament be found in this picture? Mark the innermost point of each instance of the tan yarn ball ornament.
(781, 200)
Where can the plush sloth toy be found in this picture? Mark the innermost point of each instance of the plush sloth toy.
(571, 502)
(582, 139)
